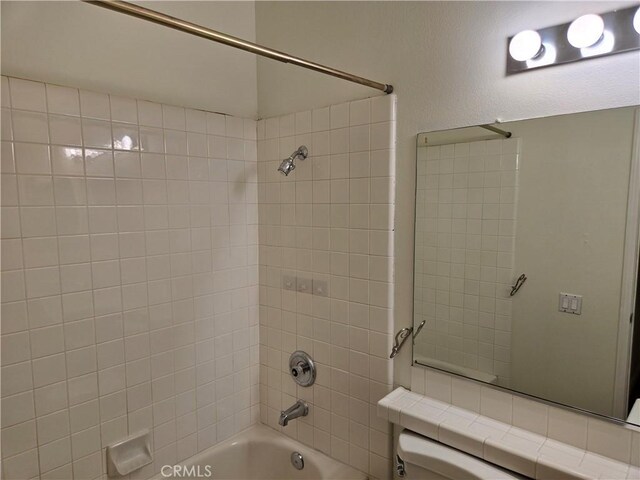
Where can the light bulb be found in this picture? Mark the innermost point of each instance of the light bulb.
(585, 31)
(525, 45)
(636, 20)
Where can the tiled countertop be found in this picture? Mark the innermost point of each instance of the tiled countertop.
(510, 447)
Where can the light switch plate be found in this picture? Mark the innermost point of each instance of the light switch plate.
(570, 303)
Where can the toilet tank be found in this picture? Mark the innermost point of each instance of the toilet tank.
(421, 458)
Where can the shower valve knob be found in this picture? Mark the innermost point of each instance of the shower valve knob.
(302, 368)
(299, 369)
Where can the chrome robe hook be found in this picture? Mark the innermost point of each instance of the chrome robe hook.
(519, 282)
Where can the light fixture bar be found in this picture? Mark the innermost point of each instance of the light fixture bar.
(619, 36)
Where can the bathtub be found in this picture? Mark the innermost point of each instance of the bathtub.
(260, 453)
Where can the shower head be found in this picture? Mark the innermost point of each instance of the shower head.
(287, 165)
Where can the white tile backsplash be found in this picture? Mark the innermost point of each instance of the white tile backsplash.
(330, 221)
(120, 310)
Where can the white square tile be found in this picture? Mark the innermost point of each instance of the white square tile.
(17, 408)
(55, 454)
(149, 113)
(67, 160)
(567, 427)
(12, 254)
(94, 105)
(24, 465)
(15, 348)
(40, 252)
(360, 112)
(32, 158)
(42, 282)
(123, 109)
(530, 415)
(173, 117)
(609, 440)
(63, 100)
(339, 115)
(13, 285)
(496, 404)
(47, 341)
(36, 222)
(65, 130)
(48, 370)
(96, 133)
(70, 191)
(27, 95)
(74, 249)
(19, 438)
(30, 126)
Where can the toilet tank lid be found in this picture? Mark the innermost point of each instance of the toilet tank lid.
(451, 463)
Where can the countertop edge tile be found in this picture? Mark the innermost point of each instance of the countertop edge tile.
(529, 453)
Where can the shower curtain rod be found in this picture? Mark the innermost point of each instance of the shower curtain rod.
(200, 31)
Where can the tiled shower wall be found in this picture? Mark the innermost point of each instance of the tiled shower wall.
(326, 275)
(129, 279)
(464, 253)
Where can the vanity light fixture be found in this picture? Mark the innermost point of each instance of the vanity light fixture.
(587, 36)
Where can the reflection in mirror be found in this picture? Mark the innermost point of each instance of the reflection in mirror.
(526, 255)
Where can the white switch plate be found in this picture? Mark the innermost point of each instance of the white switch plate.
(570, 303)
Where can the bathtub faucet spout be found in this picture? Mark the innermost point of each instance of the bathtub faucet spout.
(298, 409)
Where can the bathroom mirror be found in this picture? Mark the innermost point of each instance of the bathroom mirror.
(526, 256)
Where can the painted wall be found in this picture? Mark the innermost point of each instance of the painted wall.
(446, 61)
(326, 275)
(73, 43)
(572, 211)
(129, 279)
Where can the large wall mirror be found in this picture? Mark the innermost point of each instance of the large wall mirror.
(526, 257)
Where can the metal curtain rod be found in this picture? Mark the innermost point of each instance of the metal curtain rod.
(496, 130)
(199, 31)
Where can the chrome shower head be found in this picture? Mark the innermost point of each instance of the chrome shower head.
(288, 165)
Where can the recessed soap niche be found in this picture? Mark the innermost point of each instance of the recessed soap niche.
(305, 285)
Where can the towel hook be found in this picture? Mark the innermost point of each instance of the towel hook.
(519, 282)
(401, 337)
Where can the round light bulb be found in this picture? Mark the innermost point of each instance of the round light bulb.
(525, 45)
(636, 20)
(585, 31)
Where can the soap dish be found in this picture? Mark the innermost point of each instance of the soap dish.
(130, 454)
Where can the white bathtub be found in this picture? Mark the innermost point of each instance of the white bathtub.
(262, 453)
